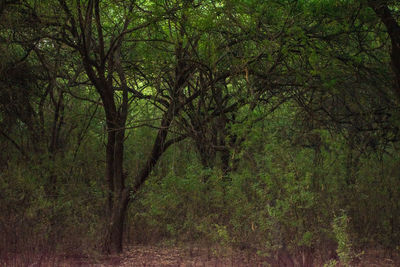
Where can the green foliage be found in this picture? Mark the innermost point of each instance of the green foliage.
(285, 195)
(289, 112)
(340, 228)
(35, 217)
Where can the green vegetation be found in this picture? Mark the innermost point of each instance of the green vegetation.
(268, 126)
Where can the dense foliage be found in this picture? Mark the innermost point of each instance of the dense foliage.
(271, 126)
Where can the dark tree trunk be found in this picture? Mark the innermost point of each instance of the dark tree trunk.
(114, 235)
(110, 169)
(118, 195)
(393, 28)
(206, 153)
(159, 146)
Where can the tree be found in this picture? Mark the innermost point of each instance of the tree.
(105, 49)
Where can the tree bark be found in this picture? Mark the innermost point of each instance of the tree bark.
(393, 28)
(114, 235)
(118, 195)
(158, 149)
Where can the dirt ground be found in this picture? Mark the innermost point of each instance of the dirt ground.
(150, 256)
(194, 256)
(146, 256)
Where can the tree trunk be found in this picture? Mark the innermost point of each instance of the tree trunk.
(393, 28)
(110, 169)
(114, 235)
(118, 195)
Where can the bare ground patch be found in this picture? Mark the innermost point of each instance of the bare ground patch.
(147, 256)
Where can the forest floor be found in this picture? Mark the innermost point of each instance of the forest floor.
(147, 256)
